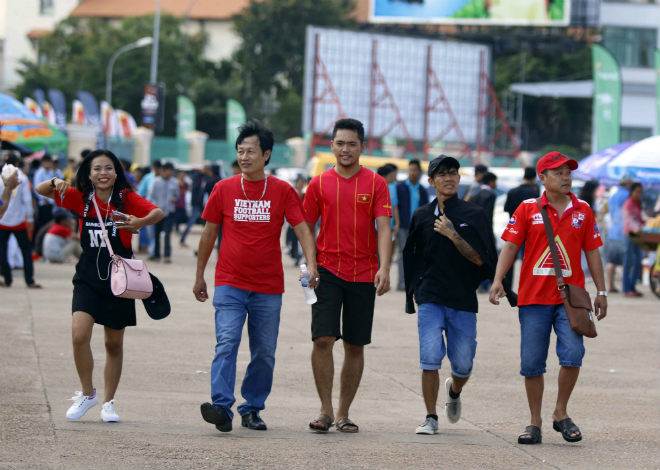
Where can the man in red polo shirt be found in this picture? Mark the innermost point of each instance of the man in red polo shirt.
(540, 305)
(348, 198)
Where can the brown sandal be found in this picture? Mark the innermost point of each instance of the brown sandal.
(321, 424)
(346, 425)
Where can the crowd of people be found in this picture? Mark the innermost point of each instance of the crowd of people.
(349, 224)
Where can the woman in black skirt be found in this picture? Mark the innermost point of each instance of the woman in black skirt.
(100, 176)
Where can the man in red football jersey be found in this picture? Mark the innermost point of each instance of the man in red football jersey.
(353, 259)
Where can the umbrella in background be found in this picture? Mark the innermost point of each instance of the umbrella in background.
(595, 165)
(20, 126)
(6, 145)
(640, 161)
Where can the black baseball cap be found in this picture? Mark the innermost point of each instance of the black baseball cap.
(157, 305)
(442, 160)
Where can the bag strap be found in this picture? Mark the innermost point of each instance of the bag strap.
(105, 232)
(551, 243)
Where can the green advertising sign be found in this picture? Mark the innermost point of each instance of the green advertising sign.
(186, 120)
(657, 89)
(235, 118)
(607, 98)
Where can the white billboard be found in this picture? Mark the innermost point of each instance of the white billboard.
(384, 77)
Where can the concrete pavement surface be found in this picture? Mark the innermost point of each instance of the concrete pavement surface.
(166, 377)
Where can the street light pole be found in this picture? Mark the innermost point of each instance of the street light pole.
(153, 75)
(142, 42)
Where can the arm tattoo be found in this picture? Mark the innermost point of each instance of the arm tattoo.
(465, 249)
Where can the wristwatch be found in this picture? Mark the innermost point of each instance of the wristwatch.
(602, 292)
(52, 182)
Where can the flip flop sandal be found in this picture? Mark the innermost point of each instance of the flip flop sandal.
(531, 435)
(346, 425)
(321, 424)
(567, 427)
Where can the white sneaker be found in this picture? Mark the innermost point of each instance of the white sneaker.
(108, 413)
(81, 403)
(430, 426)
(452, 405)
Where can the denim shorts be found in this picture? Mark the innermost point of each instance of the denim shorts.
(460, 330)
(614, 251)
(536, 323)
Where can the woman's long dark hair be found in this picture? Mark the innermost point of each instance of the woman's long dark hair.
(587, 192)
(84, 182)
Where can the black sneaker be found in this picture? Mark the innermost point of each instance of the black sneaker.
(217, 415)
(253, 421)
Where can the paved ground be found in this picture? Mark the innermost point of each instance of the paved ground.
(165, 378)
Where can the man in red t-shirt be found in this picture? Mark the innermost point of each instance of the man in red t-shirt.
(60, 241)
(249, 279)
(539, 302)
(349, 199)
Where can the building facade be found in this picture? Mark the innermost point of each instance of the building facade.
(631, 31)
(22, 24)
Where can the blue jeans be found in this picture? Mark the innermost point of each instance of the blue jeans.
(632, 264)
(460, 328)
(536, 323)
(144, 238)
(232, 305)
(195, 212)
(165, 226)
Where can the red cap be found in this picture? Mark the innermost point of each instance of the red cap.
(554, 160)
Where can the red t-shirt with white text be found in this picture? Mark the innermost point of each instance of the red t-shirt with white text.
(347, 244)
(575, 230)
(250, 257)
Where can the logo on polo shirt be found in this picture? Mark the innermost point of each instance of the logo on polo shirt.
(512, 220)
(363, 198)
(544, 265)
(537, 219)
(578, 218)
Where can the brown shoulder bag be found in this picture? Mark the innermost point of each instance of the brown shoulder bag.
(576, 300)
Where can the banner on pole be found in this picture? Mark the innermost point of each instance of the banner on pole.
(56, 98)
(90, 106)
(78, 112)
(186, 118)
(607, 98)
(657, 90)
(235, 118)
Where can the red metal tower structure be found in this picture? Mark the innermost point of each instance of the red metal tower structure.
(489, 108)
(328, 95)
(437, 102)
(382, 98)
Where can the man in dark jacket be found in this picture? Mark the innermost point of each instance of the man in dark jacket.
(196, 201)
(410, 195)
(486, 196)
(448, 253)
(527, 190)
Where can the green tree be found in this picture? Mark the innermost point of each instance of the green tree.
(550, 121)
(270, 60)
(75, 56)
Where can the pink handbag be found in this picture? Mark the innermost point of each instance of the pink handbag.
(129, 278)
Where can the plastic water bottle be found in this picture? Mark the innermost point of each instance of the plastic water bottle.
(310, 295)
